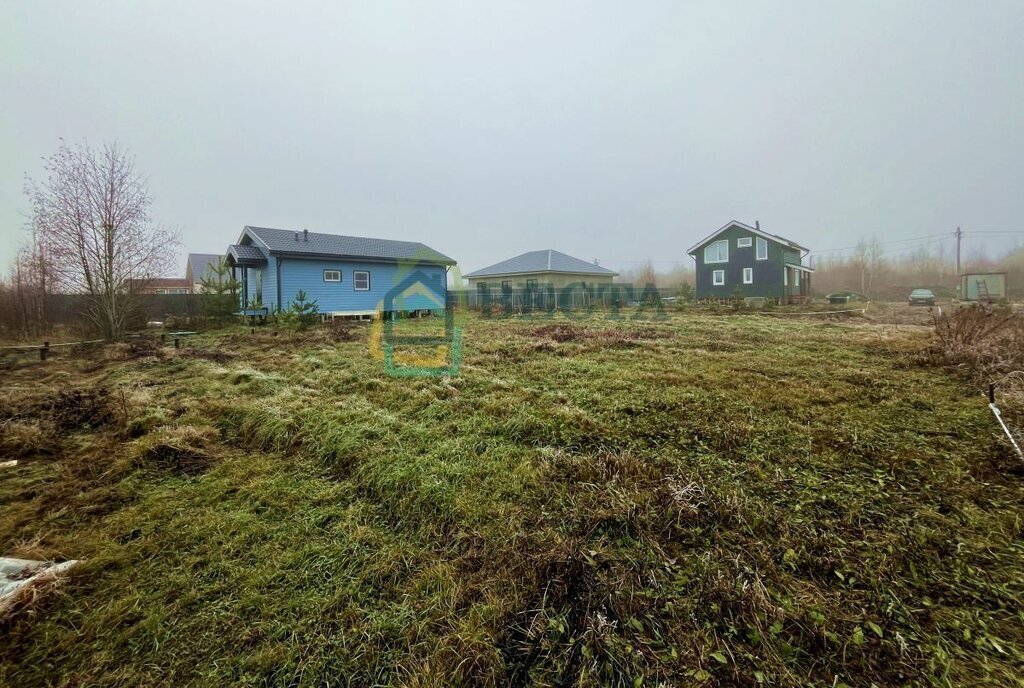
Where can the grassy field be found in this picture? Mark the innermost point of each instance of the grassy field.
(720, 500)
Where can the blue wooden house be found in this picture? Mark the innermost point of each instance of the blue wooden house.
(345, 275)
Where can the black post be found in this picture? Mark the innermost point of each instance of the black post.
(991, 394)
(177, 342)
(44, 351)
(163, 338)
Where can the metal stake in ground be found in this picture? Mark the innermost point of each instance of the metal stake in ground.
(999, 417)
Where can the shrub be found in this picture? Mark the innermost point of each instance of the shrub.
(987, 341)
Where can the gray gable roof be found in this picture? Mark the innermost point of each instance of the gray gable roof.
(335, 245)
(198, 262)
(753, 230)
(542, 261)
(249, 255)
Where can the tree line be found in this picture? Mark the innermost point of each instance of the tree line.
(867, 269)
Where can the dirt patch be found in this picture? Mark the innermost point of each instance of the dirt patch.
(322, 333)
(346, 331)
(143, 348)
(900, 313)
(35, 421)
(78, 409)
(21, 439)
(567, 591)
(186, 450)
(208, 354)
(567, 332)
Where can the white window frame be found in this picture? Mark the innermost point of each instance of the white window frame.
(785, 276)
(748, 275)
(715, 275)
(762, 242)
(355, 280)
(796, 278)
(329, 271)
(744, 242)
(717, 245)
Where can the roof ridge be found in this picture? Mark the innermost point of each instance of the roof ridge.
(330, 234)
(279, 240)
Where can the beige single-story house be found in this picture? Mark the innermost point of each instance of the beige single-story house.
(536, 268)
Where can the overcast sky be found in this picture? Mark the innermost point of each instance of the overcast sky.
(612, 130)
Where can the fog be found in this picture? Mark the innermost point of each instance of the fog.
(607, 130)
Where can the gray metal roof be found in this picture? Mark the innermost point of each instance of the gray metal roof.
(753, 230)
(200, 261)
(542, 261)
(246, 254)
(317, 243)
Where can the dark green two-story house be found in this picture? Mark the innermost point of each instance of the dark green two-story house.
(742, 261)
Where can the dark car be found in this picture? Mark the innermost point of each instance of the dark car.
(841, 297)
(922, 297)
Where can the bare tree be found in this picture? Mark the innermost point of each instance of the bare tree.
(867, 257)
(92, 218)
(646, 275)
(24, 294)
(874, 261)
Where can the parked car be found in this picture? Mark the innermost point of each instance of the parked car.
(841, 297)
(922, 297)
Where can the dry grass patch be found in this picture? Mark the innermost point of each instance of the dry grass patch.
(184, 450)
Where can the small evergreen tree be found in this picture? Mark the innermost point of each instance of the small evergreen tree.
(685, 292)
(220, 290)
(303, 310)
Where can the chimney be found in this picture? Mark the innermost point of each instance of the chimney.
(757, 225)
(296, 236)
(305, 235)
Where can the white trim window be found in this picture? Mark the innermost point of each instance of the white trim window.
(762, 249)
(718, 278)
(743, 242)
(717, 252)
(748, 275)
(361, 280)
(785, 276)
(796, 278)
(332, 275)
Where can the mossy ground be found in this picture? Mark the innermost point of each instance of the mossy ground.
(719, 500)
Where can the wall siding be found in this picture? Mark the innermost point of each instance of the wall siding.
(768, 274)
(557, 279)
(307, 275)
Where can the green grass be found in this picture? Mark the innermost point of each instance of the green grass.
(713, 499)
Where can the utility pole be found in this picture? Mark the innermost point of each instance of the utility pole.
(958, 236)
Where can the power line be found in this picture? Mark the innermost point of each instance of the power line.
(835, 255)
(844, 252)
(883, 243)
